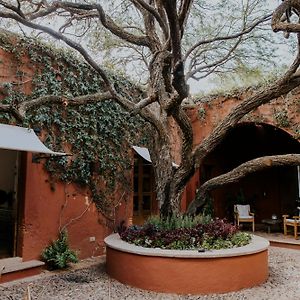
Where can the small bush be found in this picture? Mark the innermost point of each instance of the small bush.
(174, 222)
(186, 233)
(58, 255)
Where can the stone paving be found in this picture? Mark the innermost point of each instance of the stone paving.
(88, 280)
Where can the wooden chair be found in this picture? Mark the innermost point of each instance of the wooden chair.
(242, 214)
(294, 222)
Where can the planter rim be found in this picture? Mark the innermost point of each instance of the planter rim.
(257, 244)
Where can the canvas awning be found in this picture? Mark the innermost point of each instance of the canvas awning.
(144, 153)
(22, 139)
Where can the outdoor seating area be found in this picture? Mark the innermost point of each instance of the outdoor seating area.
(288, 226)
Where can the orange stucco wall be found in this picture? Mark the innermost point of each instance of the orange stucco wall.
(47, 210)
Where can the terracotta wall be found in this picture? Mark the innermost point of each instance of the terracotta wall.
(13, 72)
(43, 211)
(47, 210)
(206, 115)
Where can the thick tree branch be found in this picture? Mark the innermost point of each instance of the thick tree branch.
(174, 29)
(240, 172)
(154, 12)
(187, 133)
(184, 13)
(11, 110)
(65, 100)
(106, 21)
(25, 106)
(16, 9)
(68, 41)
(151, 32)
(277, 18)
(186, 165)
(109, 24)
(142, 104)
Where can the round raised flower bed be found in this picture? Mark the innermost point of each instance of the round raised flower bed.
(187, 271)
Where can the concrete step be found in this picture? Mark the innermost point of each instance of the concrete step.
(14, 268)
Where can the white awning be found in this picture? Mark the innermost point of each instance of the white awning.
(144, 153)
(22, 139)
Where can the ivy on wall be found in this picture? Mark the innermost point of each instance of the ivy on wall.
(99, 135)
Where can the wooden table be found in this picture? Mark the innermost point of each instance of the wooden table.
(271, 223)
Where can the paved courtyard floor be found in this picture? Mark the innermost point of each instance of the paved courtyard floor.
(88, 280)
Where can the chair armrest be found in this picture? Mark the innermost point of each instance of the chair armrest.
(296, 217)
(284, 217)
(251, 214)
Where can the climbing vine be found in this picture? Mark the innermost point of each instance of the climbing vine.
(98, 135)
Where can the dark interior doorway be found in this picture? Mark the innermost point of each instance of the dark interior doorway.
(9, 166)
(272, 191)
(144, 196)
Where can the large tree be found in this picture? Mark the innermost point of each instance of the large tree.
(175, 42)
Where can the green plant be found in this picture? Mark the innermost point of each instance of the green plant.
(99, 134)
(176, 222)
(58, 255)
(186, 232)
(240, 239)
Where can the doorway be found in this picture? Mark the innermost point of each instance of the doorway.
(9, 172)
(272, 191)
(144, 196)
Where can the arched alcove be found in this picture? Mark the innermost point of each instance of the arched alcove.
(271, 191)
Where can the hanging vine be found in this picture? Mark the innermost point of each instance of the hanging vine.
(98, 135)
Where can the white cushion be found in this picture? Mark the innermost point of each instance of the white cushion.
(246, 217)
(293, 221)
(243, 210)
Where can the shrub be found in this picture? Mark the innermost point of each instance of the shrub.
(58, 255)
(186, 232)
(173, 222)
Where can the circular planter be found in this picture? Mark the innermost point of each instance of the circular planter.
(187, 271)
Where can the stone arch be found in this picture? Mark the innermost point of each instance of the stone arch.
(272, 191)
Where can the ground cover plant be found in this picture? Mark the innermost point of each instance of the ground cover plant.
(201, 232)
(58, 255)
